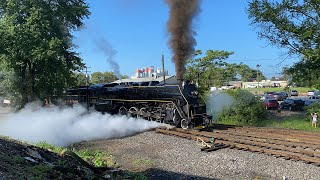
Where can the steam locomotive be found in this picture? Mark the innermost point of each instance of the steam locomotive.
(172, 104)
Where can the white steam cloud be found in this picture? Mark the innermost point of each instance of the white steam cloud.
(217, 101)
(65, 126)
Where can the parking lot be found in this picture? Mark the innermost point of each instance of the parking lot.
(281, 100)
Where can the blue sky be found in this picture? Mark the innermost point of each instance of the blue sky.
(136, 29)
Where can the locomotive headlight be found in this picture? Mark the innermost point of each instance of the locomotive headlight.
(195, 93)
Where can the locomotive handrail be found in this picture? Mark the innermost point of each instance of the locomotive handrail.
(186, 101)
(134, 100)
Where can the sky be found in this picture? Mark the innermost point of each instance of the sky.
(136, 30)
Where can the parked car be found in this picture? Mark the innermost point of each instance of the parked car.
(294, 93)
(227, 87)
(313, 97)
(308, 102)
(269, 94)
(313, 93)
(292, 104)
(280, 96)
(270, 103)
(251, 86)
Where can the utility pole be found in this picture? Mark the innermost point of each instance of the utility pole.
(258, 65)
(87, 85)
(163, 72)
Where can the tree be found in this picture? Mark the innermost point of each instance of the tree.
(36, 44)
(304, 73)
(210, 70)
(294, 25)
(124, 76)
(246, 73)
(100, 77)
(291, 24)
(81, 79)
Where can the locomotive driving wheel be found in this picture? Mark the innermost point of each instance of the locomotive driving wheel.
(143, 113)
(123, 110)
(133, 112)
(184, 124)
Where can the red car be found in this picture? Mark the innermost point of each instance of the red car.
(270, 103)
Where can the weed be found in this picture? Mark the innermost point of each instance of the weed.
(143, 162)
(97, 158)
(38, 171)
(45, 145)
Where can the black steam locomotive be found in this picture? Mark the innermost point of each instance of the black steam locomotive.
(172, 104)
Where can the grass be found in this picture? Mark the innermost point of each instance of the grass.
(143, 162)
(291, 122)
(96, 158)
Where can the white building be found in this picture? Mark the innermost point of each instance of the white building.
(149, 72)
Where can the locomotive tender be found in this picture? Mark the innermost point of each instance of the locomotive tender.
(171, 104)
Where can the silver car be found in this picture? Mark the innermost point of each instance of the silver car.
(294, 93)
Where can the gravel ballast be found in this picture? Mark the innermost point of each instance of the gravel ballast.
(167, 157)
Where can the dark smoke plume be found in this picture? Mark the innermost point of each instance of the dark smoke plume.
(182, 39)
(108, 50)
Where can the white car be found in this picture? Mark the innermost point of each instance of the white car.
(313, 93)
(6, 102)
(227, 87)
(251, 86)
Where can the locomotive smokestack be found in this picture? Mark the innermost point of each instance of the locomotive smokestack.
(182, 40)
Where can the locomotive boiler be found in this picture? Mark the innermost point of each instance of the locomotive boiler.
(172, 104)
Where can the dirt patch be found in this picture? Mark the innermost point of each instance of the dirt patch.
(133, 157)
(23, 161)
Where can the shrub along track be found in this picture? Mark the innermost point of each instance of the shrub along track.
(295, 145)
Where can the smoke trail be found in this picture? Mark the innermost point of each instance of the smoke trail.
(108, 50)
(182, 39)
(217, 101)
(65, 126)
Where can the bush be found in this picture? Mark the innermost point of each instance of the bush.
(313, 108)
(246, 109)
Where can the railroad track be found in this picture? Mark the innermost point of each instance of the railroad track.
(288, 144)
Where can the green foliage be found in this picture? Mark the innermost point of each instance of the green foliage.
(100, 77)
(81, 79)
(247, 74)
(212, 70)
(245, 110)
(97, 158)
(39, 172)
(36, 45)
(293, 25)
(51, 147)
(304, 73)
(313, 108)
(293, 122)
(143, 162)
